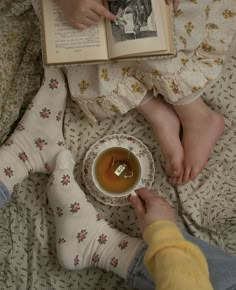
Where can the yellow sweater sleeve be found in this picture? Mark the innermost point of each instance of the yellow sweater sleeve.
(174, 263)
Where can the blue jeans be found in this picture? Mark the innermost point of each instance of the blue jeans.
(222, 268)
(4, 195)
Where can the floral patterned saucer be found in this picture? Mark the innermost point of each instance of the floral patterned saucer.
(118, 140)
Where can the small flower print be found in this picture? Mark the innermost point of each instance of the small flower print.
(31, 171)
(20, 127)
(45, 113)
(8, 143)
(61, 241)
(195, 89)
(51, 212)
(184, 61)
(53, 84)
(95, 259)
(228, 14)
(102, 239)
(30, 106)
(123, 244)
(8, 171)
(130, 139)
(189, 27)
(23, 156)
(65, 179)
(111, 226)
(156, 73)
(60, 143)
(51, 180)
(212, 26)
(114, 262)
(47, 167)
(40, 143)
(74, 207)
(125, 70)
(114, 109)
(98, 217)
(87, 200)
(137, 88)
(76, 260)
(183, 40)
(59, 116)
(82, 236)
(207, 47)
(104, 74)
(15, 187)
(83, 85)
(219, 61)
(59, 212)
(207, 11)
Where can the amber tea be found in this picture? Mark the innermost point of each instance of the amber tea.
(117, 170)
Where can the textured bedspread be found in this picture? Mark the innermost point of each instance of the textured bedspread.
(205, 207)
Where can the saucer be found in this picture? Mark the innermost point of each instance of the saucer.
(124, 141)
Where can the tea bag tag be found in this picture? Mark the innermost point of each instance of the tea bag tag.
(120, 169)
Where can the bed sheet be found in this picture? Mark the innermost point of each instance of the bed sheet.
(205, 207)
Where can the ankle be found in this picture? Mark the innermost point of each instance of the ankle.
(154, 110)
(194, 113)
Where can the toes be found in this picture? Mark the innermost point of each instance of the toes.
(174, 168)
(194, 173)
(186, 174)
(172, 180)
(176, 180)
(180, 178)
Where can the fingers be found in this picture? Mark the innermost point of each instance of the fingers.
(93, 16)
(79, 26)
(87, 22)
(138, 206)
(90, 15)
(103, 11)
(146, 195)
(168, 2)
(176, 5)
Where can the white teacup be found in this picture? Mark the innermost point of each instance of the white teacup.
(131, 190)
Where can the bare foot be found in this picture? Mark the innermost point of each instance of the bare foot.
(166, 125)
(202, 127)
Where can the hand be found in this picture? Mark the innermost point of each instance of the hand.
(150, 207)
(176, 4)
(84, 13)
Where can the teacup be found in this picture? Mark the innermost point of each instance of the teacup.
(117, 172)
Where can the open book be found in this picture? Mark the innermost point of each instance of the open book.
(143, 29)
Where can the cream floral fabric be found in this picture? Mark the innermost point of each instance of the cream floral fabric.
(204, 30)
(20, 60)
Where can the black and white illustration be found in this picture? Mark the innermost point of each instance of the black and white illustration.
(135, 19)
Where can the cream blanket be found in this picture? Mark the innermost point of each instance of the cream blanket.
(205, 207)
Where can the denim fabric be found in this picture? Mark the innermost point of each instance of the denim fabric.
(5, 195)
(222, 268)
(138, 276)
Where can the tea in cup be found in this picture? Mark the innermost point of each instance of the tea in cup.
(116, 171)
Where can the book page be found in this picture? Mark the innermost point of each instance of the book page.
(65, 44)
(139, 28)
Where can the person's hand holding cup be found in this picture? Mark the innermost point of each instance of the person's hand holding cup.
(149, 207)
